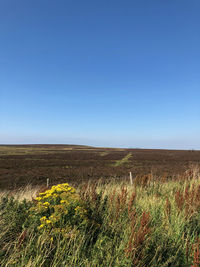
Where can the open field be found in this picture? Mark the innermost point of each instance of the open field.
(33, 164)
(99, 219)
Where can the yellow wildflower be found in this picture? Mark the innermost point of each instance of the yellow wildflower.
(46, 203)
(41, 226)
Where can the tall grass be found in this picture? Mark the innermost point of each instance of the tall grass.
(155, 222)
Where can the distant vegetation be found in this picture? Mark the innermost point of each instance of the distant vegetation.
(33, 164)
(123, 160)
(155, 222)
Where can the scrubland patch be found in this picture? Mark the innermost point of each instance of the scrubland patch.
(33, 164)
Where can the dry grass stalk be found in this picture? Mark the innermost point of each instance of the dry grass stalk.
(130, 204)
(137, 238)
(188, 200)
(196, 256)
(121, 201)
(167, 208)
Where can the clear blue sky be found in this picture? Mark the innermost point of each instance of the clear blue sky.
(103, 73)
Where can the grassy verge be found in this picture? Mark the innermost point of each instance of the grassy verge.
(156, 222)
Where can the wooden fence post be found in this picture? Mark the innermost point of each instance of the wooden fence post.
(131, 178)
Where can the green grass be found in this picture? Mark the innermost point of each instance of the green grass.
(155, 222)
(104, 153)
(123, 160)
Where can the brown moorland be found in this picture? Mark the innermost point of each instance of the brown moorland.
(33, 164)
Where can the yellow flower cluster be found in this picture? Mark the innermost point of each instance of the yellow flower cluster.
(55, 191)
(58, 208)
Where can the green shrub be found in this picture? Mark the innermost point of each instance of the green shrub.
(13, 215)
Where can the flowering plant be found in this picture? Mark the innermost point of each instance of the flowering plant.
(59, 209)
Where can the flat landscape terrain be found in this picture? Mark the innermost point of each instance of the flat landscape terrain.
(33, 164)
(154, 222)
